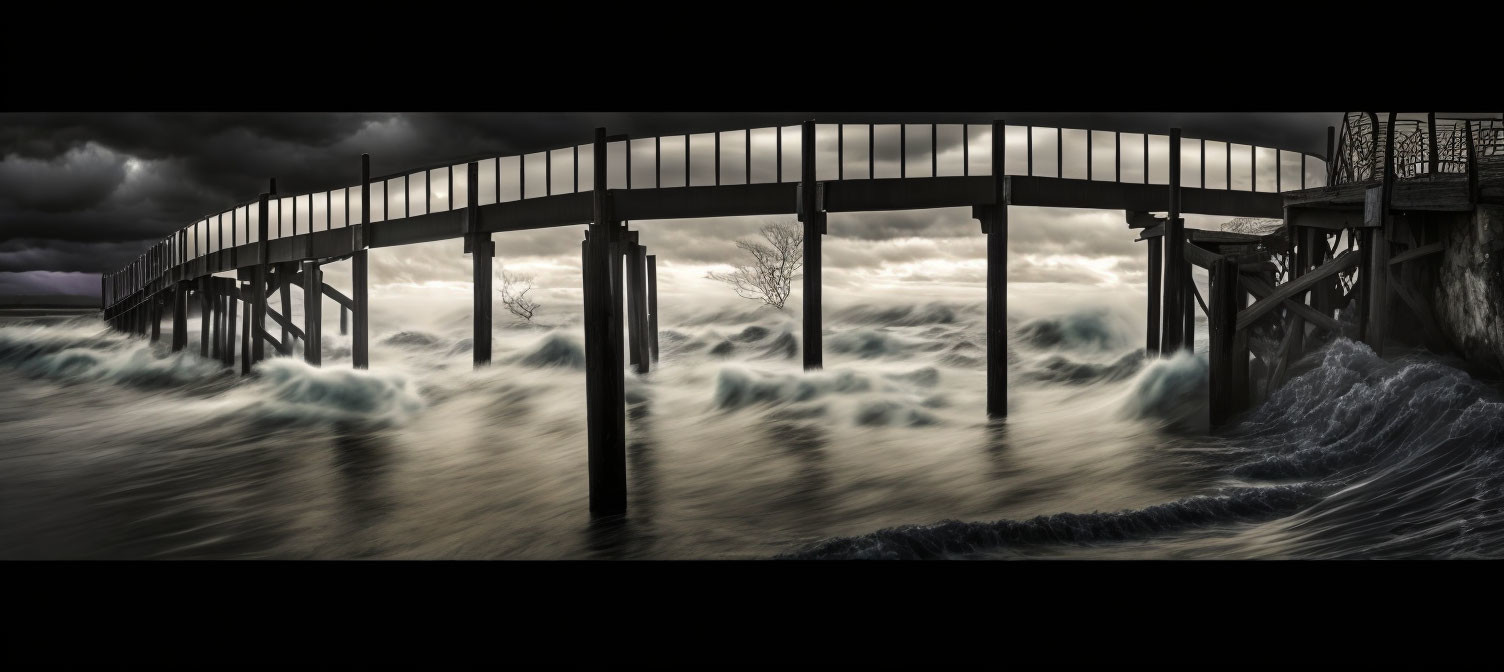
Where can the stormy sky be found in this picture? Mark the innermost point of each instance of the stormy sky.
(85, 193)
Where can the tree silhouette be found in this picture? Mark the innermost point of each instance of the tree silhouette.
(514, 289)
(770, 276)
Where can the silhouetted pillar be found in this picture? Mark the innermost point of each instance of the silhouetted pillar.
(231, 308)
(1188, 301)
(206, 313)
(637, 305)
(245, 327)
(360, 348)
(344, 320)
(360, 341)
(653, 304)
(313, 313)
(1176, 276)
(482, 250)
(814, 226)
(1222, 318)
(156, 318)
(258, 284)
(179, 316)
(607, 450)
(1156, 270)
(996, 220)
(284, 290)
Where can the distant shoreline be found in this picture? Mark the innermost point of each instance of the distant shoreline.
(60, 301)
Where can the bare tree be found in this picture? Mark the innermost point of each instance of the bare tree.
(770, 276)
(514, 289)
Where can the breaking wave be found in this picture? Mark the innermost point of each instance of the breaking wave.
(1369, 458)
(1097, 329)
(74, 355)
(289, 390)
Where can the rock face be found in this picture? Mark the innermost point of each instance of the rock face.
(1470, 295)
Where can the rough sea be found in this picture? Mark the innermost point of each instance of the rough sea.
(114, 448)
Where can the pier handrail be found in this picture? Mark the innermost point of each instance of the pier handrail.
(1422, 147)
(1095, 155)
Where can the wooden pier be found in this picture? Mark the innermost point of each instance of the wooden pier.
(275, 242)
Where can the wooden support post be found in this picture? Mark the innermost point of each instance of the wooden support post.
(179, 316)
(1156, 271)
(360, 349)
(637, 311)
(258, 283)
(482, 251)
(1222, 335)
(997, 282)
(231, 308)
(1176, 272)
(1188, 302)
(344, 321)
(156, 318)
(1376, 244)
(245, 328)
(217, 322)
(814, 226)
(360, 342)
(652, 260)
(205, 313)
(313, 313)
(1241, 392)
(607, 450)
(284, 289)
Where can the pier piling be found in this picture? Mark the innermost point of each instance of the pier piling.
(605, 416)
(313, 313)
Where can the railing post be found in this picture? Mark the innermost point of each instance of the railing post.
(1333, 154)
(1431, 152)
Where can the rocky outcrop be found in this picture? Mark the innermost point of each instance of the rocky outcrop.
(1469, 301)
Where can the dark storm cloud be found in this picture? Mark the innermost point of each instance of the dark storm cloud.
(81, 191)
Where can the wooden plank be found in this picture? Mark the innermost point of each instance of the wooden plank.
(268, 338)
(1340, 263)
(1200, 256)
(1154, 232)
(1417, 253)
(1260, 289)
(286, 324)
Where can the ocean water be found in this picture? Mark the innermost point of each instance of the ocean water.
(111, 447)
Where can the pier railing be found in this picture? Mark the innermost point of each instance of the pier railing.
(1422, 147)
(749, 156)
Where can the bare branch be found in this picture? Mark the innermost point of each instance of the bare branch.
(514, 289)
(769, 278)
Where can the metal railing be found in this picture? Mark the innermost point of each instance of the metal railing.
(1422, 147)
